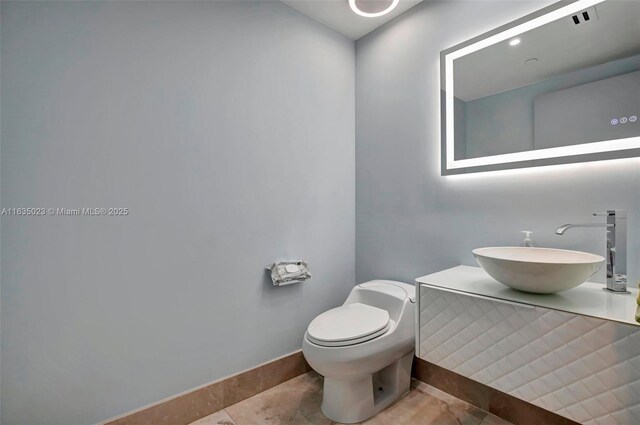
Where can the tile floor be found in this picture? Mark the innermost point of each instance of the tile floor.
(297, 402)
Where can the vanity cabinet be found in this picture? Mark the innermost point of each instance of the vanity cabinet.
(583, 367)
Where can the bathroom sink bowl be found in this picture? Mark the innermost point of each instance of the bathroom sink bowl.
(538, 270)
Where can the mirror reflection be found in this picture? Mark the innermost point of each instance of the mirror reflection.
(573, 81)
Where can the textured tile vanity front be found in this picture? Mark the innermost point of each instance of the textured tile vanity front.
(505, 406)
(583, 368)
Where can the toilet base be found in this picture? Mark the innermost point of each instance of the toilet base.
(355, 399)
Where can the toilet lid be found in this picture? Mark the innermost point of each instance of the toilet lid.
(348, 324)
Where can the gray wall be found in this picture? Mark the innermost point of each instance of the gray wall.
(227, 129)
(410, 221)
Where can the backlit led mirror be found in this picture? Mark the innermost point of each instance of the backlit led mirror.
(558, 86)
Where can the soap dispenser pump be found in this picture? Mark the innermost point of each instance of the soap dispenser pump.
(527, 238)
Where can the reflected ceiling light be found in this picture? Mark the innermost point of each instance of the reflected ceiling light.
(514, 42)
(372, 8)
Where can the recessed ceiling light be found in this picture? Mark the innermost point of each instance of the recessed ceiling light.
(372, 8)
(531, 61)
(514, 42)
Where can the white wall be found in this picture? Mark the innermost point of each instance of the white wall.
(227, 129)
(410, 221)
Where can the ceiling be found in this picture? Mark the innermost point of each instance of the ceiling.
(337, 14)
(559, 47)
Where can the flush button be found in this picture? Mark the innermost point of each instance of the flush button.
(614, 121)
(633, 118)
(623, 120)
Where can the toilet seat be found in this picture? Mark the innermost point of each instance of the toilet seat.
(348, 325)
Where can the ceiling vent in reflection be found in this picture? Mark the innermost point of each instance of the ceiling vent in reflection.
(585, 16)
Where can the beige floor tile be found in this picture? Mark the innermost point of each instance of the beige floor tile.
(426, 405)
(219, 418)
(494, 420)
(295, 402)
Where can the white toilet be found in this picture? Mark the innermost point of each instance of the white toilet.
(364, 349)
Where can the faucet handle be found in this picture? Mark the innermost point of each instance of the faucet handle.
(612, 213)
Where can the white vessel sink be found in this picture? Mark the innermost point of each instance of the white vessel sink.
(538, 270)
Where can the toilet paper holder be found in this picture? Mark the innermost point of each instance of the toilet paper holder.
(288, 272)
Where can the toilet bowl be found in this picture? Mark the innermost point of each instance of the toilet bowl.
(364, 349)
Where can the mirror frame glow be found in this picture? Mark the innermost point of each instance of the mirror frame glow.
(620, 148)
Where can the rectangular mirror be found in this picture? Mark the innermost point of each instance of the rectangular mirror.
(558, 86)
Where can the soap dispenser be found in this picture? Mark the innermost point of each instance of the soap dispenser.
(527, 238)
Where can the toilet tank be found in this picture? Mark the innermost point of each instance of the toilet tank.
(388, 295)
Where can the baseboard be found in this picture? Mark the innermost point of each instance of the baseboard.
(199, 402)
(506, 406)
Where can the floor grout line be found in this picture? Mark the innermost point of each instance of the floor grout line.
(229, 415)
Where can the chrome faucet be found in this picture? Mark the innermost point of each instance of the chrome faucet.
(616, 247)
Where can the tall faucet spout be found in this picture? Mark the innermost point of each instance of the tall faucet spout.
(562, 229)
(616, 247)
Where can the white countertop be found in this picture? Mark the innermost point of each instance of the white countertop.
(587, 299)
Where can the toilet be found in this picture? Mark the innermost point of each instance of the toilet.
(364, 349)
